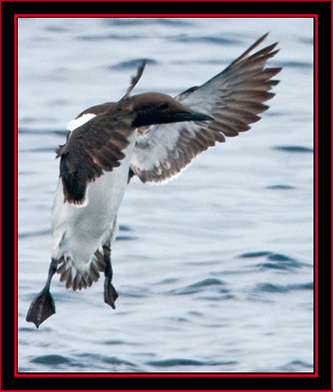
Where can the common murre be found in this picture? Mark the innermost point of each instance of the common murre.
(152, 136)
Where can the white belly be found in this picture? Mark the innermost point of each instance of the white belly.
(79, 231)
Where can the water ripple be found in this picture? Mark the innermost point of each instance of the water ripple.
(107, 37)
(296, 365)
(106, 360)
(187, 362)
(259, 253)
(51, 359)
(280, 187)
(206, 39)
(277, 261)
(202, 285)
(130, 64)
(298, 149)
(276, 288)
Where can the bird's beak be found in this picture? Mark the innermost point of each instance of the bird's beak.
(191, 116)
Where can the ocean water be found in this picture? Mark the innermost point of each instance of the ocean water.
(215, 268)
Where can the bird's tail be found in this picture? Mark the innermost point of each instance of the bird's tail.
(82, 278)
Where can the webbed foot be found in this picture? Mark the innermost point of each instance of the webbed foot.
(41, 308)
(110, 293)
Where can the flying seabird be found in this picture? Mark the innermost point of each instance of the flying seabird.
(152, 136)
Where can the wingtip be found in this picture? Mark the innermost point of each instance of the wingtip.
(264, 36)
(143, 62)
(136, 78)
(261, 39)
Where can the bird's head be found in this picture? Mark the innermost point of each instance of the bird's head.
(157, 108)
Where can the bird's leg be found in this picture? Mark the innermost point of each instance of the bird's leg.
(42, 307)
(110, 293)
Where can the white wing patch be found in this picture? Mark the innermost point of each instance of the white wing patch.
(72, 125)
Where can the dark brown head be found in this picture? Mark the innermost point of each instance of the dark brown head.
(157, 108)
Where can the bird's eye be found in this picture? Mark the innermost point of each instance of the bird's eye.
(164, 105)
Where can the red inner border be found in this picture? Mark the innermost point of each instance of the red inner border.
(315, 373)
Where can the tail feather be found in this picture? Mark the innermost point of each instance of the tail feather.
(81, 279)
(94, 272)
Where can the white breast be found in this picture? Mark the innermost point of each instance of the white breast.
(79, 232)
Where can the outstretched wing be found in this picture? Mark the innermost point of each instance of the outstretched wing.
(234, 98)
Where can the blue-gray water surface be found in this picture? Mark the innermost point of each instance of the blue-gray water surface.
(215, 268)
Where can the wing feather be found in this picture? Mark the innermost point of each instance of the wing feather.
(93, 148)
(234, 98)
